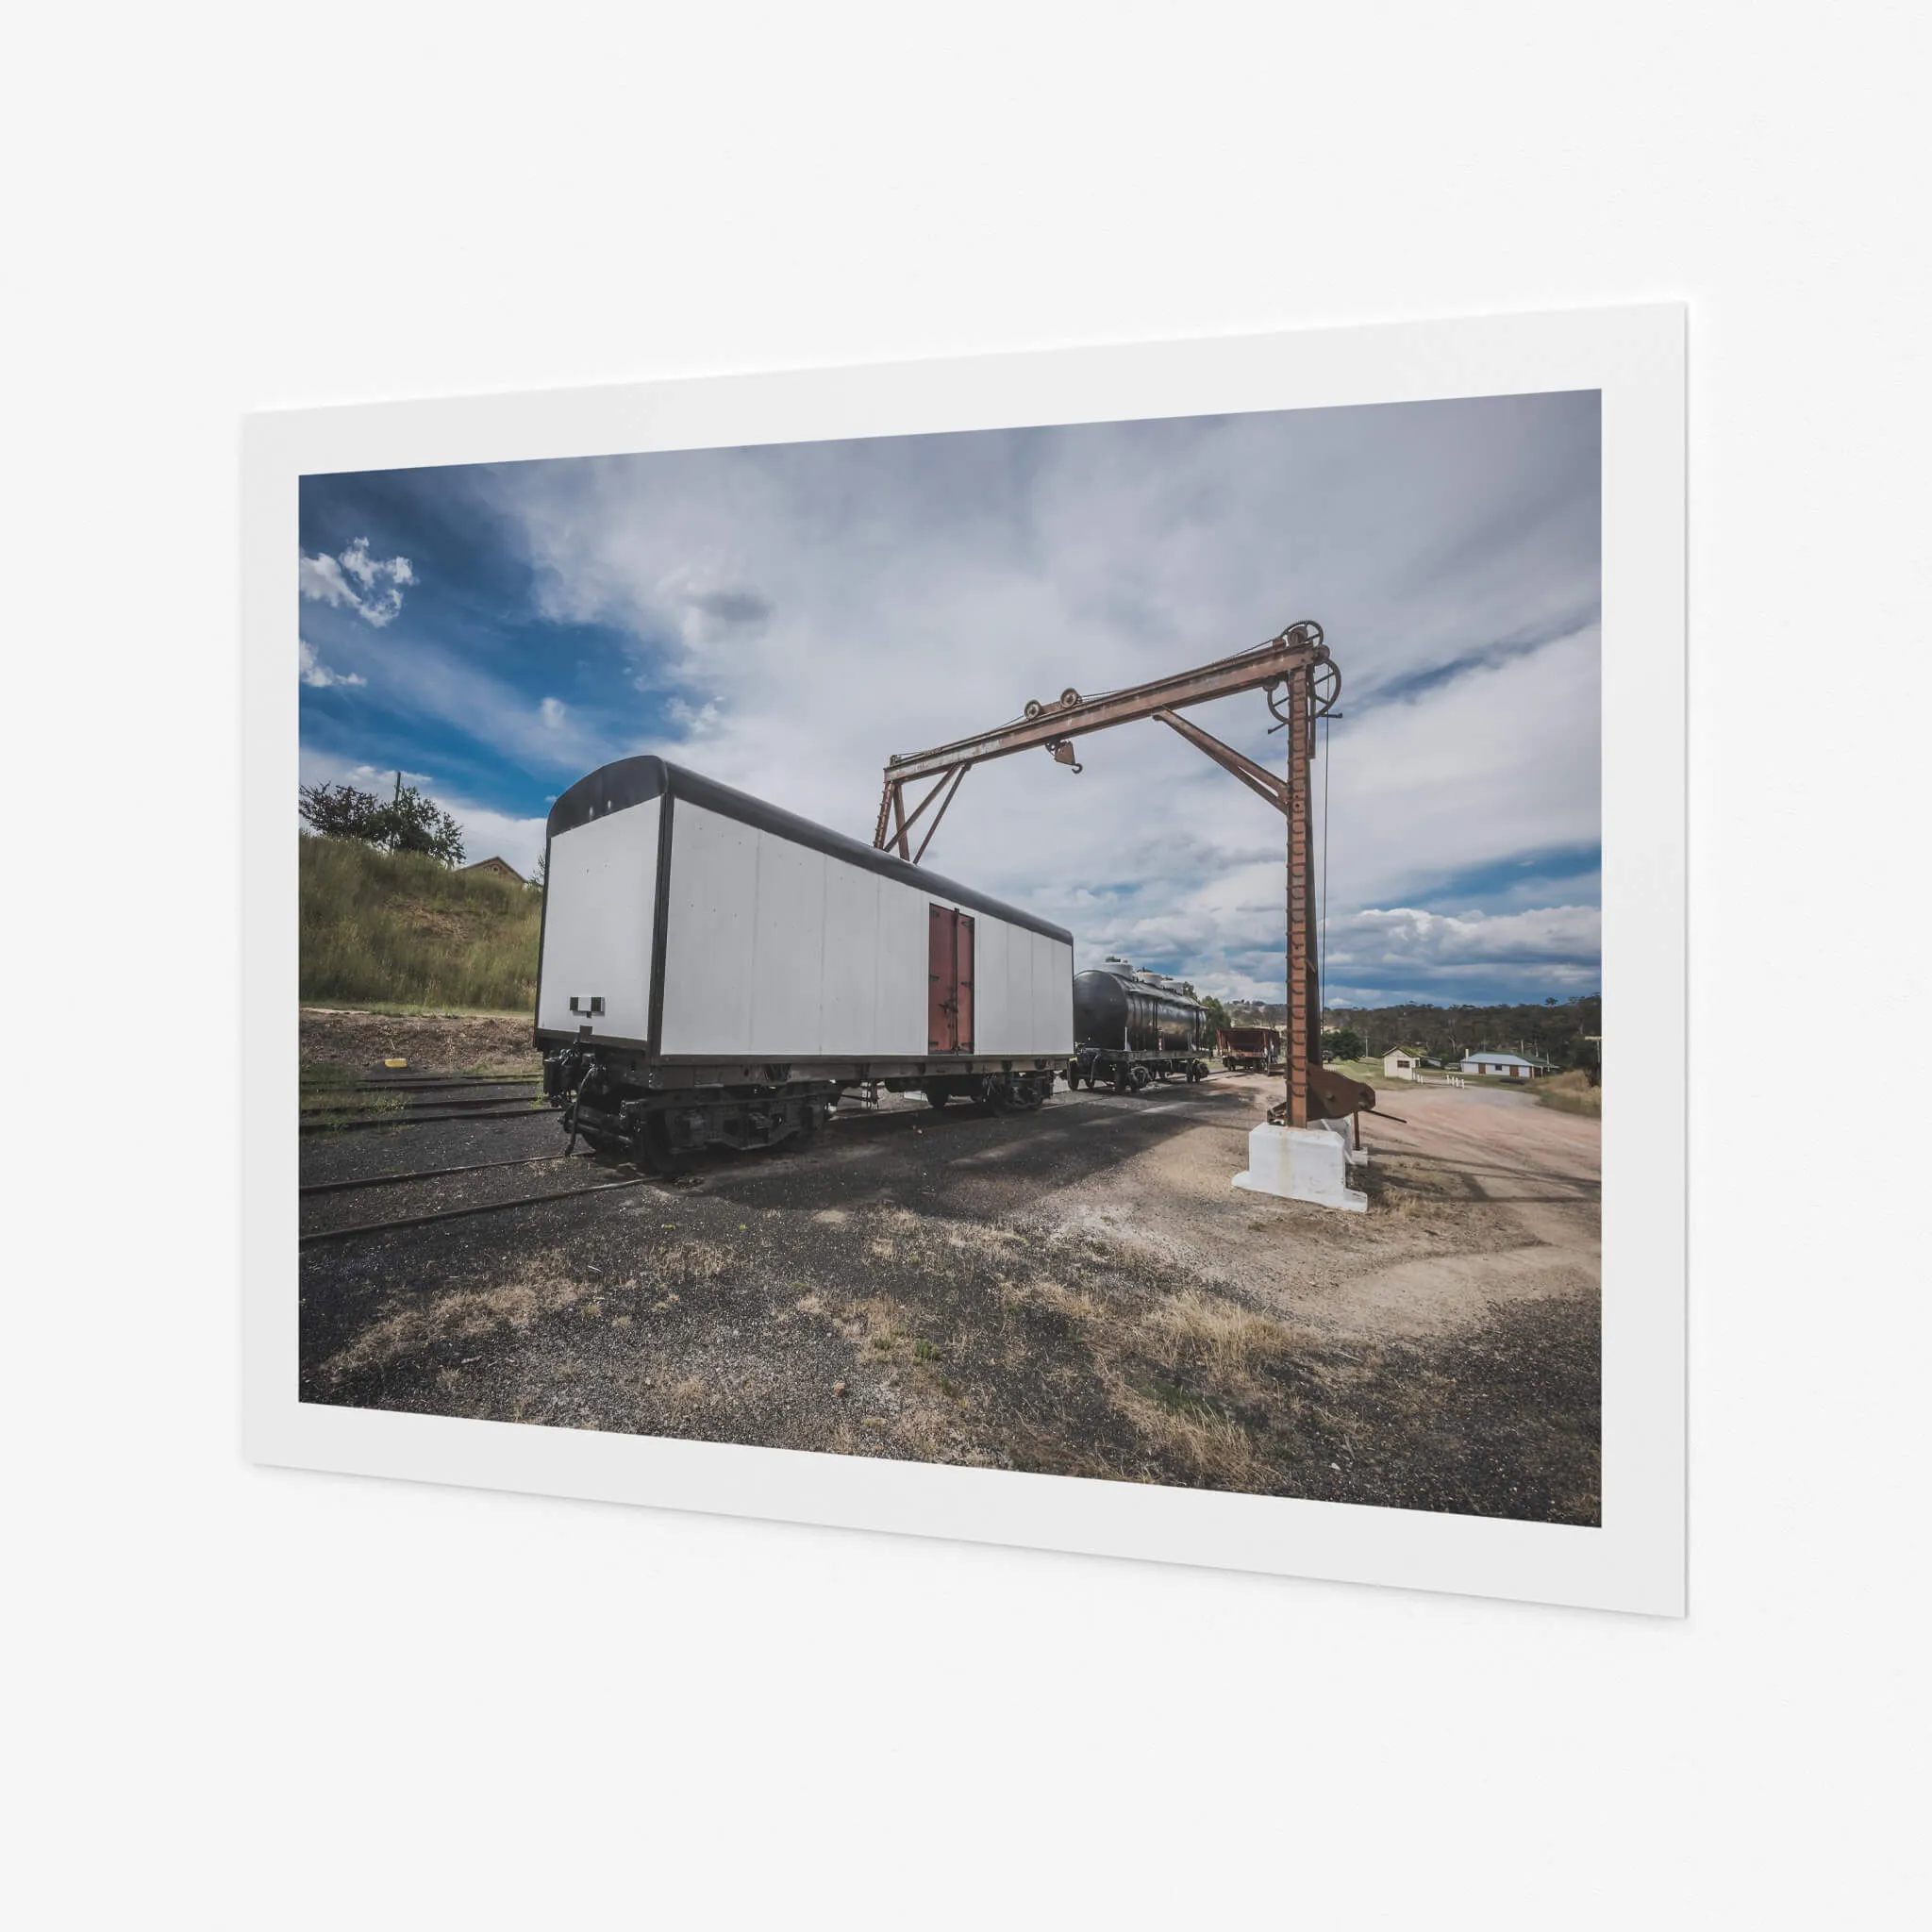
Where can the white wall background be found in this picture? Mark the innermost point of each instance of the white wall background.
(244, 1698)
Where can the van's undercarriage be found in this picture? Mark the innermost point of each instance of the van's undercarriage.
(663, 1112)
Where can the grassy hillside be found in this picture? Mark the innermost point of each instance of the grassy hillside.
(398, 927)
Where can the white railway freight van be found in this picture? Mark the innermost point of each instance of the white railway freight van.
(714, 970)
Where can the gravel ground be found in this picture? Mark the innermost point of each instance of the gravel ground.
(1074, 1292)
(431, 1042)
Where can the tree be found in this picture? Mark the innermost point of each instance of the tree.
(409, 822)
(415, 824)
(340, 812)
(1344, 1043)
(541, 878)
(1217, 1013)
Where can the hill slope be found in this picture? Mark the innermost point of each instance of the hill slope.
(398, 927)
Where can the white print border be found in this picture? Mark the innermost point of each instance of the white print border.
(1635, 358)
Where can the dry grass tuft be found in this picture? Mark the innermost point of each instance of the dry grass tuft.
(1571, 1092)
(461, 1314)
(1214, 1447)
(1407, 1206)
(924, 1432)
(877, 1326)
(691, 1262)
(1075, 1304)
(1232, 1340)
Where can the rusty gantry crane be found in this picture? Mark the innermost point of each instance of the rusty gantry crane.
(1301, 683)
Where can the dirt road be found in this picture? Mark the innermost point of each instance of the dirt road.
(1078, 1291)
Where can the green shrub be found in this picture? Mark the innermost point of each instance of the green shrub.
(400, 928)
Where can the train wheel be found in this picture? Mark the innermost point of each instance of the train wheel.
(1137, 1077)
(655, 1151)
(937, 1096)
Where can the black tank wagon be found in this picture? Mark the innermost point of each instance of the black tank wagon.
(1130, 1029)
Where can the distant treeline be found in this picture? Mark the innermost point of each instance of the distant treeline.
(1560, 1031)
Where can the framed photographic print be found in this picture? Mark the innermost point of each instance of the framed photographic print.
(1082, 950)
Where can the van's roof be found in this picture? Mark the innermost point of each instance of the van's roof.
(636, 781)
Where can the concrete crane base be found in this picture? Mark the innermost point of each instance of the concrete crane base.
(1302, 1164)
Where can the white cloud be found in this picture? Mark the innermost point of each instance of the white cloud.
(326, 580)
(551, 710)
(369, 572)
(797, 612)
(438, 681)
(319, 676)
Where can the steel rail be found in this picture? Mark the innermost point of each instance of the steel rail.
(428, 1174)
(343, 1234)
(511, 1111)
(350, 1100)
(419, 1086)
(471, 1105)
(424, 1076)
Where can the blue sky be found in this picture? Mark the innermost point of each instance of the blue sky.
(784, 617)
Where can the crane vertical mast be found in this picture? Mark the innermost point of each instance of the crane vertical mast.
(1303, 1022)
(1294, 665)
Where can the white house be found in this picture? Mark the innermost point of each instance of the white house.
(1400, 1063)
(1503, 1066)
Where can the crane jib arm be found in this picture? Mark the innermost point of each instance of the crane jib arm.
(1072, 715)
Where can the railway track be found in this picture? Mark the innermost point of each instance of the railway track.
(362, 1228)
(430, 1174)
(632, 1179)
(322, 1099)
(515, 1107)
(455, 1083)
